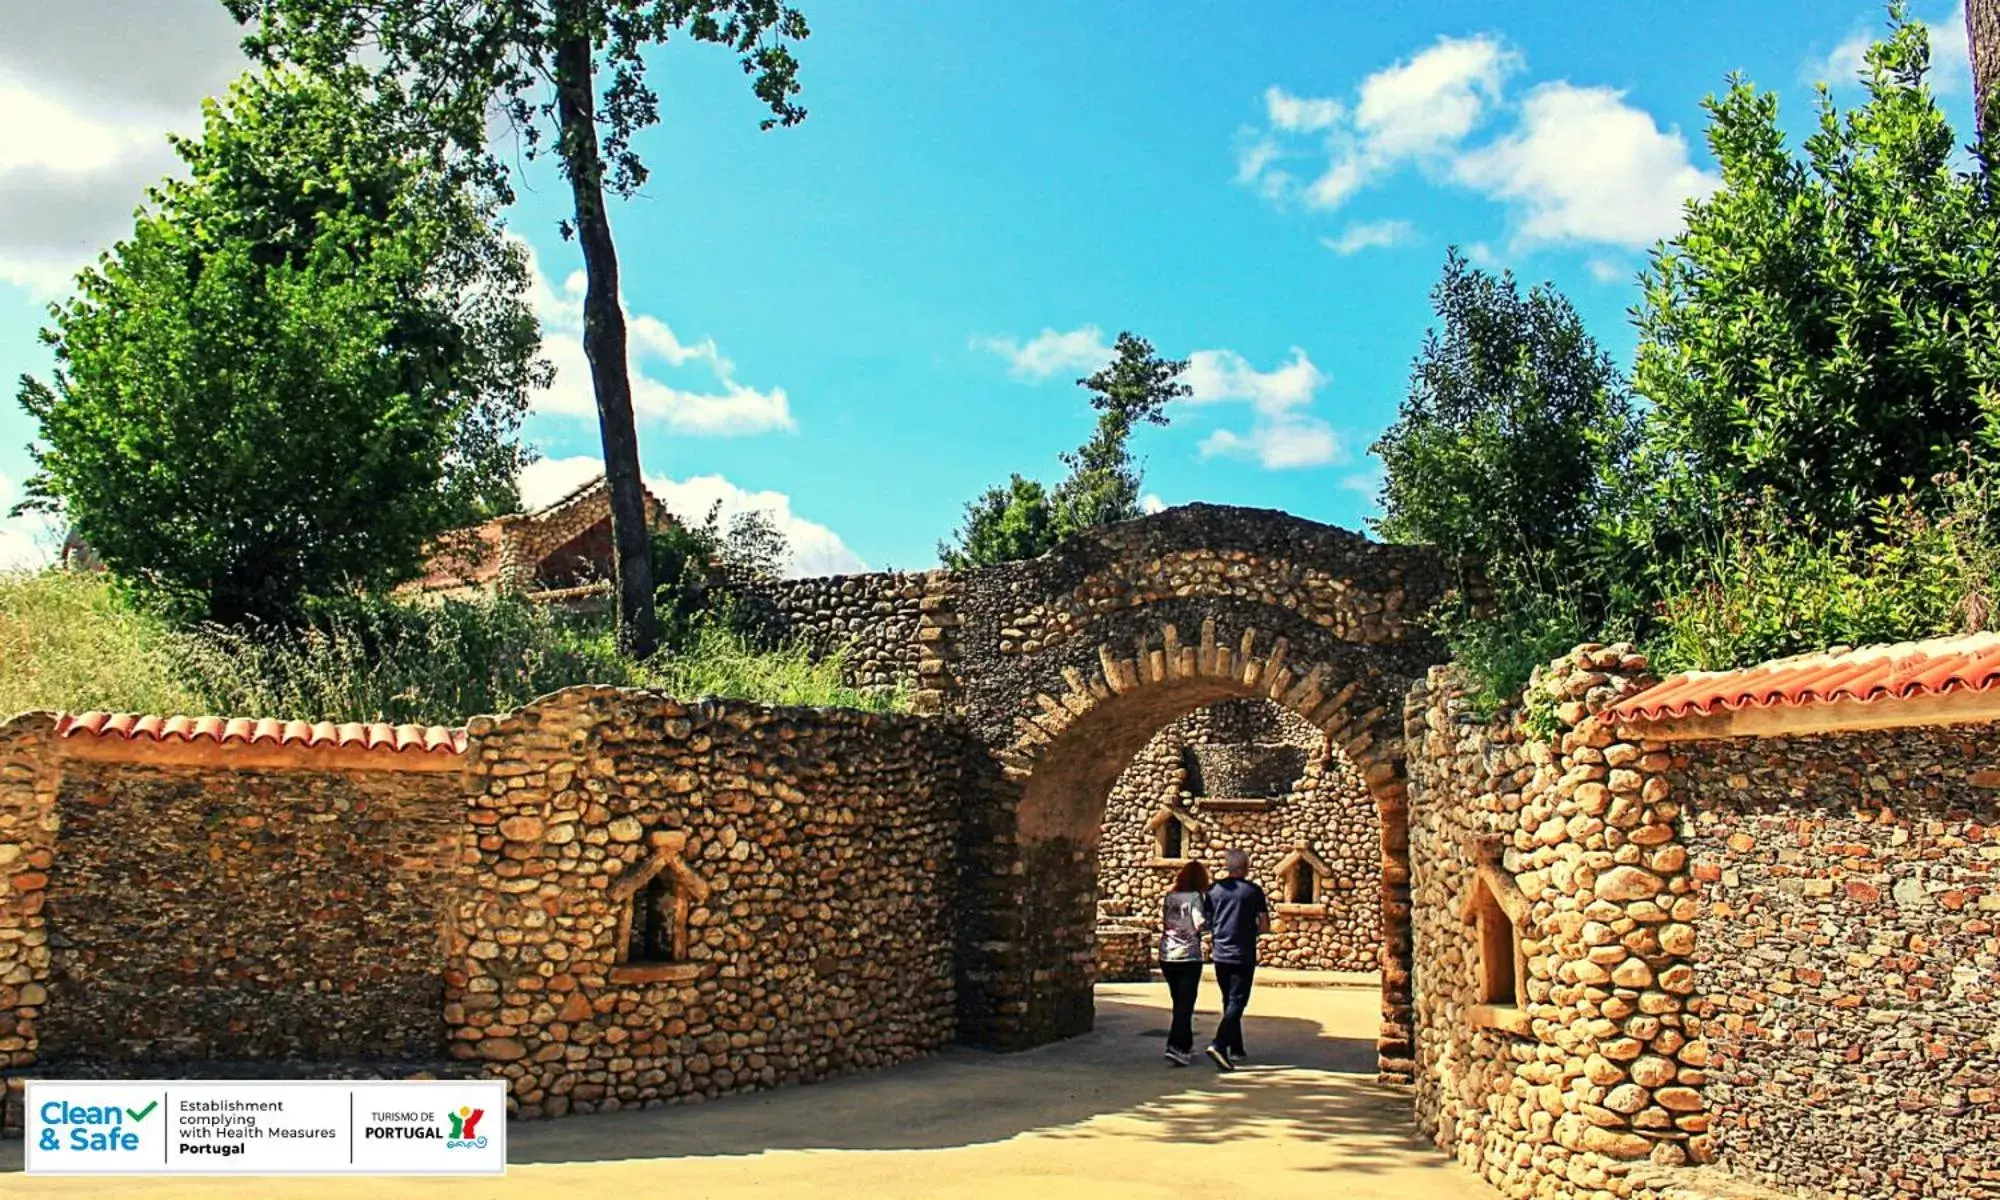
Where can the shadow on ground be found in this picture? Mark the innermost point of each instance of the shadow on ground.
(1303, 1085)
(1097, 1115)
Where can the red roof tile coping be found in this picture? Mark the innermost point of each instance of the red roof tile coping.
(265, 731)
(1882, 678)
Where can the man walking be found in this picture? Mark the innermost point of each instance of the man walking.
(1237, 912)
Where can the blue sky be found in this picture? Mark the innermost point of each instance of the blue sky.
(861, 322)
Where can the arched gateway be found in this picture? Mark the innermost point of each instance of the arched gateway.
(1064, 666)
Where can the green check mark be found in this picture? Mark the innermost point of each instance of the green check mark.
(140, 1114)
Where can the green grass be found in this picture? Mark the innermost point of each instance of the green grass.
(71, 641)
(68, 642)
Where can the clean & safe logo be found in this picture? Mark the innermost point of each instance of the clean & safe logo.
(94, 1129)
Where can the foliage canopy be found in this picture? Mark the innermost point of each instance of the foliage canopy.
(311, 357)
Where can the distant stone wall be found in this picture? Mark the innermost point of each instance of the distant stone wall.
(1592, 1066)
(205, 915)
(1311, 802)
(1848, 964)
(811, 853)
(874, 618)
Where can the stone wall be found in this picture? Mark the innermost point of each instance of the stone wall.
(1848, 964)
(1300, 801)
(1576, 1061)
(211, 915)
(811, 853)
(875, 618)
(27, 852)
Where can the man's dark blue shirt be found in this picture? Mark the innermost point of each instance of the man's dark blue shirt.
(1234, 905)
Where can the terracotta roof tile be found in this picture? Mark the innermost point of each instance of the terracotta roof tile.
(1867, 675)
(251, 731)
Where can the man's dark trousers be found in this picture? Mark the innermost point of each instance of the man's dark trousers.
(1235, 980)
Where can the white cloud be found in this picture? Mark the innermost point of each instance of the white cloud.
(1214, 375)
(1430, 103)
(1082, 349)
(1604, 270)
(816, 550)
(1412, 110)
(1575, 164)
(1283, 444)
(1584, 166)
(1846, 65)
(1282, 435)
(1150, 503)
(722, 408)
(1479, 254)
(1371, 235)
(1300, 114)
(88, 91)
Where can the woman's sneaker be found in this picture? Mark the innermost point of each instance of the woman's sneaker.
(1221, 1060)
(1178, 1058)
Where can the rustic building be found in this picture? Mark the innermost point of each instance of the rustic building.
(561, 551)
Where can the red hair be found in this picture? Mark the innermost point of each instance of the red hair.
(1193, 877)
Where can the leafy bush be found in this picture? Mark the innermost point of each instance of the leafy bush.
(1498, 653)
(1776, 585)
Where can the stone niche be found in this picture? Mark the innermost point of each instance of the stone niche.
(1245, 754)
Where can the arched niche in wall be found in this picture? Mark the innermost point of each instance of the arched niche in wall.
(1173, 829)
(1498, 912)
(1303, 877)
(653, 905)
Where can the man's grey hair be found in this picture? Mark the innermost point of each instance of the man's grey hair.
(1235, 862)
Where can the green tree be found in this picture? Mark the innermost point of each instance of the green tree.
(1023, 519)
(1007, 523)
(1510, 443)
(1826, 329)
(1507, 453)
(311, 357)
(537, 61)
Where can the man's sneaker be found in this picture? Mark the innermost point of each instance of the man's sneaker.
(1237, 1058)
(1178, 1058)
(1221, 1060)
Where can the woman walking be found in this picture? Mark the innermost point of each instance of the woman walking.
(1183, 915)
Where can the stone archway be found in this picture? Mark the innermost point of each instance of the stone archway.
(1063, 666)
(1030, 968)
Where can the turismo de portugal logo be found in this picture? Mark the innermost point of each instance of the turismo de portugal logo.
(464, 1123)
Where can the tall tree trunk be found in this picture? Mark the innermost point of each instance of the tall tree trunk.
(604, 344)
(1982, 31)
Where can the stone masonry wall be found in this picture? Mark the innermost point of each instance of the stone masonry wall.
(1848, 958)
(875, 617)
(27, 852)
(1595, 1070)
(1313, 801)
(815, 851)
(206, 915)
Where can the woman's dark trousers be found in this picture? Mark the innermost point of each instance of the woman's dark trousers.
(1183, 984)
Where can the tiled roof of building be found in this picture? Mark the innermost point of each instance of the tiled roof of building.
(1869, 684)
(264, 731)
